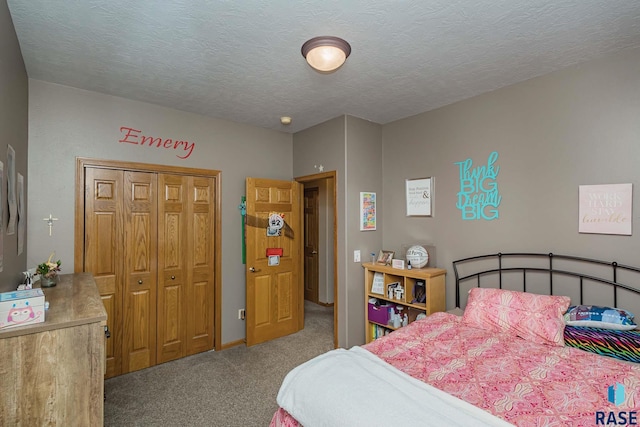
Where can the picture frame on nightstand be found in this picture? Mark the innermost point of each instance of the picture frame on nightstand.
(385, 257)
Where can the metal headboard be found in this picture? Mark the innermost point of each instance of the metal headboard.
(611, 280)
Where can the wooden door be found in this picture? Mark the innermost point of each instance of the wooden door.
(311, 243)
(140, 278)
(274, 297)
(200, 268)
(103, 252)
(172, 274)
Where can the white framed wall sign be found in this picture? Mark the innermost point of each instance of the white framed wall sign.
(419, 196)
(605, 209)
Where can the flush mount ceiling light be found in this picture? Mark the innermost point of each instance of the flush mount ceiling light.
(326, 53)
(285, 120)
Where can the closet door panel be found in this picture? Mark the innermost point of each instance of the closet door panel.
(140, 260)
(103, 252)
(172, 229)
(200, 258)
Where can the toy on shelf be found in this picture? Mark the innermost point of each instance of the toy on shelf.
(28, 281)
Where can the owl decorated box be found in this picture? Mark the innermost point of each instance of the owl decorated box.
(18, 308)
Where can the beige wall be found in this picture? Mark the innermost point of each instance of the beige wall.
(14, 116)
(324, 144)
(326, 227)
(353, 148)
(66, 123)
(364, 173)
(553, 133)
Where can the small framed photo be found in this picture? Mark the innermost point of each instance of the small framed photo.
(385, 257)
(419, 196)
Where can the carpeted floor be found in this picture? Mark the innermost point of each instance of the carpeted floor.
(234, 387)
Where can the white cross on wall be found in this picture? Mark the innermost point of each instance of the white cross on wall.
(50, 222)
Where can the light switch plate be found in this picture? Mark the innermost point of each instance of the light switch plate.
(356, 256)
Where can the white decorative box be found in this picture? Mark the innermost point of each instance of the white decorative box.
(397, 263)
(18, 308)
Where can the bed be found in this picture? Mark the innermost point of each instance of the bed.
(543, 340)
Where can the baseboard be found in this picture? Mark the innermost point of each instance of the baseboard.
(232, 344)
(242, 341)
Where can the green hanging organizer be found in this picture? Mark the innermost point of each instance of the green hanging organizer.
(243, 212)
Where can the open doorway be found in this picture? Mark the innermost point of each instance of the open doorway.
(320, 243)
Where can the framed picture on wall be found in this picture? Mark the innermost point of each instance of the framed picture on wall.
(11, 190)
(605, 209)
(367, 211)
(419, 196)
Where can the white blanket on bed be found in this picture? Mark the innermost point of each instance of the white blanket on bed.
(356, 388)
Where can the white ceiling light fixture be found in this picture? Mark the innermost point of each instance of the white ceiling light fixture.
(285, 120)
(326, 53)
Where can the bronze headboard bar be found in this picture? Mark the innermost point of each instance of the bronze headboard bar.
(499, 256)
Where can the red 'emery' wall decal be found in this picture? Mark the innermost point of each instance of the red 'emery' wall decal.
(134, 136)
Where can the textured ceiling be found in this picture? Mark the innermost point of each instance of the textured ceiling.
(240, 60)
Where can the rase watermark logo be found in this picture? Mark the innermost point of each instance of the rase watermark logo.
(616, 395)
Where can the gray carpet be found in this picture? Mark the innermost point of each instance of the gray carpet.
(234, 387)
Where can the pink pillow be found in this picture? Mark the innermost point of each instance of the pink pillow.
(537, 318)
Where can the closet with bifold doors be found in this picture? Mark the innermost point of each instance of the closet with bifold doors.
(149, 235)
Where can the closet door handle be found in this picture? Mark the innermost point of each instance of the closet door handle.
(173, 277)
(140, 282)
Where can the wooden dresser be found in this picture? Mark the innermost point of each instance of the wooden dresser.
(52, 373)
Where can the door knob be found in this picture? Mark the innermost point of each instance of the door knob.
(140, 282)
(173, 277)
(314, 252)
(253, 270)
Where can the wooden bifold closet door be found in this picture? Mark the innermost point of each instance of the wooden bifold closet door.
(185, 318)
(104, 252)
(149, 242)
(140, 273)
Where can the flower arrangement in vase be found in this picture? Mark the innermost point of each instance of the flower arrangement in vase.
(48, 272)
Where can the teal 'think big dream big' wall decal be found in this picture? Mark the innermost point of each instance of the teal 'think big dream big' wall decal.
(478, 197)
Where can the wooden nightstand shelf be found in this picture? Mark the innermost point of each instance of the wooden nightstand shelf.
(376, 317)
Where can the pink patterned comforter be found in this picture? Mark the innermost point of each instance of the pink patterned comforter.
(524, 383)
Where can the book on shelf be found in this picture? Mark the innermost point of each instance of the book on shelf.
(378, 331)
